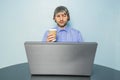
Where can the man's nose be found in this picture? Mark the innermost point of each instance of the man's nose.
(61, 18)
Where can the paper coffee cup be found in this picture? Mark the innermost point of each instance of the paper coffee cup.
(53, 31)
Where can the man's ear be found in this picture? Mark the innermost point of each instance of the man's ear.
(54, 19)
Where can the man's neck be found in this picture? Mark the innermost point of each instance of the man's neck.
(62, 27)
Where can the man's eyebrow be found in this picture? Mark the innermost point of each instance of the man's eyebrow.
(65, 13)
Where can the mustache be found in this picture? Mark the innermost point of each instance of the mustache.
(61, 21)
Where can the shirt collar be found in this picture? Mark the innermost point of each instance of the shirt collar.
(66, 28)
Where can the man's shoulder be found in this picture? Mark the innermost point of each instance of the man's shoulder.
(73, 29)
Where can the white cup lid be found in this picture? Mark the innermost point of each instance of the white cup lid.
(52, 29)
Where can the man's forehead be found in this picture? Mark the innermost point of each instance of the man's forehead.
(60, 13)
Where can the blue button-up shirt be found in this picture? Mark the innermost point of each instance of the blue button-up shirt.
(67, 34)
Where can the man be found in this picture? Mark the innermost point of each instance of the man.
(64, 32)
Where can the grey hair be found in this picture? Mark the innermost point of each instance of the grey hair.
(61, 9)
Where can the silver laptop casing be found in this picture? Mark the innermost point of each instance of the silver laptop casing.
(60, 58)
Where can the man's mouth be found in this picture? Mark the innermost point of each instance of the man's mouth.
(61, 22)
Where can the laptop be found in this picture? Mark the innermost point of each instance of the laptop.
(59, 58)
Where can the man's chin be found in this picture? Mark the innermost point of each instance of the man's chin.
(62, 25)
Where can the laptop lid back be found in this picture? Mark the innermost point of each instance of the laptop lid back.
(60, 58)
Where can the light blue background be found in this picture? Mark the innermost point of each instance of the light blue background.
(27, 20)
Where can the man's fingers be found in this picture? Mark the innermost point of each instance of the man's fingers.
(50, 38)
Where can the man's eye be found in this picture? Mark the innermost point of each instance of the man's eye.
(64, 15)
(58, 16)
